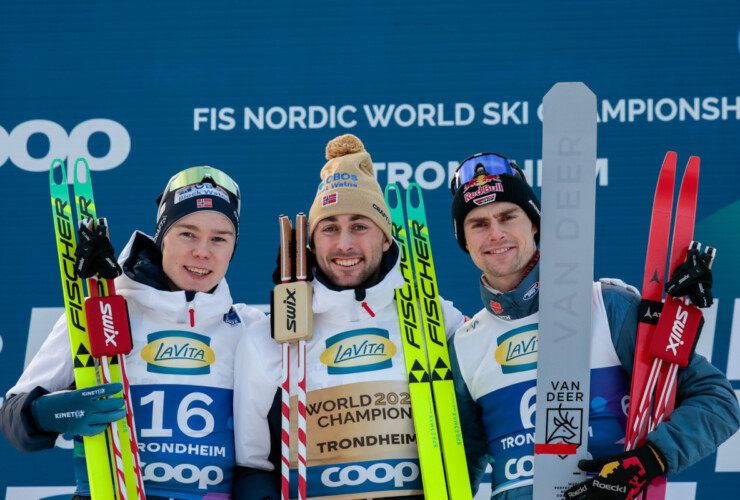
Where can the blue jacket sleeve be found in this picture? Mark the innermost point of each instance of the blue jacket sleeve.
(474, 434)
(18, 426)
(706, 412)
(255, 484)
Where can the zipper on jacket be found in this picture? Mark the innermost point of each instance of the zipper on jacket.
(191, 310)
(367, 308)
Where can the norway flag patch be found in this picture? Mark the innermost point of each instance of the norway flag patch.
(329, 199)
(205, 203)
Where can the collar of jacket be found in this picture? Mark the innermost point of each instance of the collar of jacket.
(518, 303)
(143, 282)
(345, 304)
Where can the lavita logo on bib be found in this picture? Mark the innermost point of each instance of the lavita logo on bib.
(179, 353)
(362, 350)
(517, 349)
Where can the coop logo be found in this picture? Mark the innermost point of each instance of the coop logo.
(183, 474)
(363, 350)
(180, 353)
(380, 473)
(14, 144)
(517, 349)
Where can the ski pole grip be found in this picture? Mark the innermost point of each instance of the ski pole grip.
(291, 301)
(108, 326)
(677, 333)
(300, 268)
(285, 250)
(292, 312)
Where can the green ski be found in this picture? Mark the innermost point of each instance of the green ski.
(432, 392)
(96, 449)
(420, 389)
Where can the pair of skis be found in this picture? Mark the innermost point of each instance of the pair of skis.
(665, 344)
(442, 460)
(98, 329)
(292, 322)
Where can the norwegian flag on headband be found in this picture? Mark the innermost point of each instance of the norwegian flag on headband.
(205, 203)
(329, 199)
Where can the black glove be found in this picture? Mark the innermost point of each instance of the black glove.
(95, 254)
(621, 477)
(310, 263)
(694, 276)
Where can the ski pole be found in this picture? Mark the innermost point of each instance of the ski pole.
(292, 322)
(110, 341)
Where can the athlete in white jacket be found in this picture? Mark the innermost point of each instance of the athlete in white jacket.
(185, 330)
(361, 440)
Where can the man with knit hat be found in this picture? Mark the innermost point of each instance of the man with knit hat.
(361, 440)
(496, 217)
(184, 327)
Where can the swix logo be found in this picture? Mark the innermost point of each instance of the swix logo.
(290, 309)
(484, 189)
(679, 324)
(183, 473)
(14, 145)
(496, 307)
(106, 313)
(379, 473)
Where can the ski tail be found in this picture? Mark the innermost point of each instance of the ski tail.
(683, 233)
(96, 449)
(122, 434)
(420, 390)
(443, 389)
(651, 373)
(652, 295)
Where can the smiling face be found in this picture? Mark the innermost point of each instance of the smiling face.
(500, 239)
(196, 251)
(349, 249)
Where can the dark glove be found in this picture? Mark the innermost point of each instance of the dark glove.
(693, 277)
(95, 254)
(310, 263)
(621, 477)
(82, 412)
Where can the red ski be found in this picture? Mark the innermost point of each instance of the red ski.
(654, 367)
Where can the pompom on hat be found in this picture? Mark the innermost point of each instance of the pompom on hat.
(348, 186)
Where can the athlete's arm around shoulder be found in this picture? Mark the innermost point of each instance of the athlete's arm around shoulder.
(50, 370)
(707, 411)
(453, 318)
(257, 374)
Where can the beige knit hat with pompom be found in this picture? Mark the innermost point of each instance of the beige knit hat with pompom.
(348, 186)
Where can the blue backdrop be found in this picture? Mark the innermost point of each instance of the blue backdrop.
(145, 89)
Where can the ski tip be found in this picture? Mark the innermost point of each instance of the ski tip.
(57, 163)
(570, 87)
(392, 201)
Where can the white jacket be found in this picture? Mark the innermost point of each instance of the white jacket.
(181, 379)
(360, 434)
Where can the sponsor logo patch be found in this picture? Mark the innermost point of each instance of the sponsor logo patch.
(532, 291)
(517, 349)
(180, 353)
(363, 350)
(198, 190)
(231, 317)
